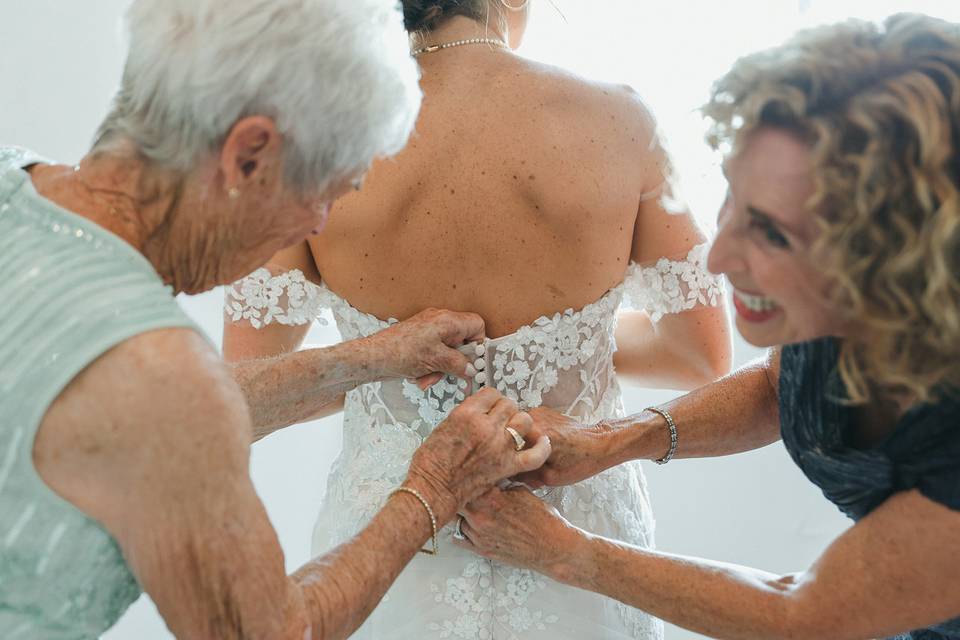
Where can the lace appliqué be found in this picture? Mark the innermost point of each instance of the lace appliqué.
(262, 299)
(481, 605)
(375, 460)
(436, 403)
(564, 361)
(529, 363)
(673, 286)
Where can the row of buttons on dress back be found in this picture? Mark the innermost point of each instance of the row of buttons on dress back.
(477, 367)
(480, 364)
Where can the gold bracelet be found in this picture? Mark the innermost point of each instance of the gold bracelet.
(433, 518)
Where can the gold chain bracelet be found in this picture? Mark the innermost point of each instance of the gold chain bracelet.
(433, 518)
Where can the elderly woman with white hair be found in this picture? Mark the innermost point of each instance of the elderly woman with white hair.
(124, 441)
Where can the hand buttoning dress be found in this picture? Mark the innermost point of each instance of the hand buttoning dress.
(565, 362)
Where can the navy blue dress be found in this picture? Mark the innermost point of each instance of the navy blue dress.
(922, 453)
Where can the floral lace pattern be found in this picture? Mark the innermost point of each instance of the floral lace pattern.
(672, 286)
(435, 404)
(563, 361)
(530, 362)
(262, 298)
(485, 609)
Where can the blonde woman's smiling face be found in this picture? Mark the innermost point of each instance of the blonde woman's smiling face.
(763, 242)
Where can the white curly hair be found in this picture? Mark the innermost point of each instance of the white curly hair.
(335, 75)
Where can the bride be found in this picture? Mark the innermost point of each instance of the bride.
(542, 202)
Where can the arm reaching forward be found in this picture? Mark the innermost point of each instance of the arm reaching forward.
(152, 440)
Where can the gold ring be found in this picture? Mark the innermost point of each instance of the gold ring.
(517, 438)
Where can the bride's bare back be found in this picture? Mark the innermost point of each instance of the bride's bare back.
(519, 195)
(524, 192)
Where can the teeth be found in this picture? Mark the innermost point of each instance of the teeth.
(756, 303)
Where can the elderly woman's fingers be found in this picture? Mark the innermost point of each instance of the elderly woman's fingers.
(481, 402)
(510, 527)
(479, 508)
(503, 410)
(533, 457)
(427, 381)
(472, 327)
(455, 363)
(458, 327)
(523, 423)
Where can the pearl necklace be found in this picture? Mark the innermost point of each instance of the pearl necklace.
(458, 43)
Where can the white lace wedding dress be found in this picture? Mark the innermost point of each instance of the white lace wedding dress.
(565, 362)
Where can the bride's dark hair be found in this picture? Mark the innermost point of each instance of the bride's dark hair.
(426, 15)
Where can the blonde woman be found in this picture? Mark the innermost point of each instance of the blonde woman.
(841, 238)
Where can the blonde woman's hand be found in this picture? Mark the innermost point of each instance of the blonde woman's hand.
(578, 451)
(516, 527)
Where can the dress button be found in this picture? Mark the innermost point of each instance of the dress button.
(480, 349)
(480, 379)
(480, 364)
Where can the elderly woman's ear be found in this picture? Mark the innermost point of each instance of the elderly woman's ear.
(253, 149)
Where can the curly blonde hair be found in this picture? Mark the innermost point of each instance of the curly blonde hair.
(879, 105)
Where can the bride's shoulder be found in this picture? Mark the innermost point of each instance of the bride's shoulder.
(603, 106)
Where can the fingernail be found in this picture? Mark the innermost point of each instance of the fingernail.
(471, 370)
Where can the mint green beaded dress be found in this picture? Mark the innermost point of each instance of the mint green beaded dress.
(71, 291)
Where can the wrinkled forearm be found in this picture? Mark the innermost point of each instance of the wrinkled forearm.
(296, 387)
(711, 598)
(735, 414)
(342, 587)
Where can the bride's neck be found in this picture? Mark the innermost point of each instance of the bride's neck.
(462, 28)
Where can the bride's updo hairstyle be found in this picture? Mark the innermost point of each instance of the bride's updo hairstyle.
(421, 16)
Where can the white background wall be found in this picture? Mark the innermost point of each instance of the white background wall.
(59, 65)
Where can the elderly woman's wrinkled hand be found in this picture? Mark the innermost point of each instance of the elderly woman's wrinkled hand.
(424, 347)
(516, 527)
(578, 451)
(485, 440)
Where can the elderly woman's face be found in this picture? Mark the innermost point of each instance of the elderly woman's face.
(291, 217)
(763, 243)
(316, 207)
(242, 211)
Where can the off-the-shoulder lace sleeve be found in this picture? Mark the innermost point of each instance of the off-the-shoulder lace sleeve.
(263, 298)
(673, 286)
